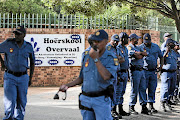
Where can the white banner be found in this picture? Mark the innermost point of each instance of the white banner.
(57, 49)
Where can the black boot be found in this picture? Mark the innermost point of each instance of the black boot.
(151, 108)
(145, 110)
(122, 112)
(169, 105)
(132, 110)
(163, 106)
(114, 114)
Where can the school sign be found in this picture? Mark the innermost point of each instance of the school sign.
(57, 49)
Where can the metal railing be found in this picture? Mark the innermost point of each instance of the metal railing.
(79, 21)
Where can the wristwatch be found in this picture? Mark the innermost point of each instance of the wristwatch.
(96, 60)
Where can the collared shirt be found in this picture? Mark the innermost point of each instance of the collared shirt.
(92, 80)
(138, 63)
(115, 51)
(16, 59)
(170, 61)
(150, 61)
(124, 51)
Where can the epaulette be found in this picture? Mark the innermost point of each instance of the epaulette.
(9, 39)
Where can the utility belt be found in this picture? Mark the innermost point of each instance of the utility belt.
(164, 70)
(17, 74)
(108, 92)
(132, 68)
(124, 70)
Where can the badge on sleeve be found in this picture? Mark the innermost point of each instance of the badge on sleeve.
(129, 48)
(109, 48)
(166, 55)
(116, 61)
(86, 52)
(122, 51)
(11, 50)
(87, 62)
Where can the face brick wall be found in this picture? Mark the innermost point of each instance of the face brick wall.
(55, 76)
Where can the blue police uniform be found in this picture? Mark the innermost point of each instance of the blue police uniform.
(93, 82)
(168, 76)
(137, 76)
(15, 87)
(150, 65)
(115, 51)
(123, 73)
(178, 74)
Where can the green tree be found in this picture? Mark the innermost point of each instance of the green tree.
(168, 8)
(24, 6)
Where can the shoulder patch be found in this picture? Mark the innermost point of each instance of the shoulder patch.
(166, 55)
(116, 61)
(109, 48)
(86, 52)
(129, 48)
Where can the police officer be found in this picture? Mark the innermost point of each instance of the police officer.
(176, 94)
(137, 76)
(165, 37)
(168, 76)
(112, 47)
(97, 75)
(150, 67)
(16, 80)
(122, 73)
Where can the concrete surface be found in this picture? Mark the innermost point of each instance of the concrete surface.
(41, 105)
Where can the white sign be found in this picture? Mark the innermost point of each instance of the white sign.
(57, 49)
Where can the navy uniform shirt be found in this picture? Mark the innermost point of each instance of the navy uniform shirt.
(138, 63)
(124, 51)
(170, 61)
(150, 61)
(92, 80)
(16, 59)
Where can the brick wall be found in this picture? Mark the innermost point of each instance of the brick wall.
(55, 76)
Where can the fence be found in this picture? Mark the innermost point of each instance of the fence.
(82, 22)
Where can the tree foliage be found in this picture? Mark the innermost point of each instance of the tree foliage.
(168, 8)
(24, 6)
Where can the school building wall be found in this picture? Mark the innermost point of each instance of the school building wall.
(57, 75)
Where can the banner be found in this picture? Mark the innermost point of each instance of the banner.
(57, 49)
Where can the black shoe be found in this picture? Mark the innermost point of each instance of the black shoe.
(115, 115)
(169, 106)
(122, 112)
(145, 110)
(163, 106)
(151, 108)
(132, 110)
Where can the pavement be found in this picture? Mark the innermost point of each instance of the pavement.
(41, 105)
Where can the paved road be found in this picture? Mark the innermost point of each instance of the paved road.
(41, 106)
